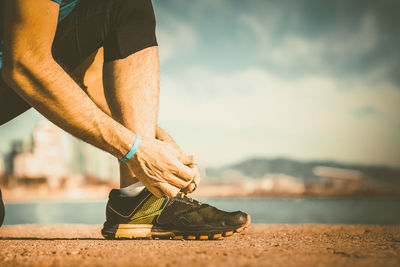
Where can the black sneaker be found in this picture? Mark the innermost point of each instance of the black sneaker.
(180, 217)
(2, 211)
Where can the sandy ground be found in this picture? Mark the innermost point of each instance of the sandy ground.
(260, 245)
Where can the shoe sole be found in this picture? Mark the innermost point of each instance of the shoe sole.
(148, 231)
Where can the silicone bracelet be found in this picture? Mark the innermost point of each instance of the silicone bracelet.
(133, 150)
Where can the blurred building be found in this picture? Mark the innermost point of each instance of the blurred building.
(338, 178)
(89, 160)
(55, 158)
(17, 148)
(283, 184)
(44, 161)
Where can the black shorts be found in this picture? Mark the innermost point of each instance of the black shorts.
(121, 27)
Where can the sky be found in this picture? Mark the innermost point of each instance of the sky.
(308, 80)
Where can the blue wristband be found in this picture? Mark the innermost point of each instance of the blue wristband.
(133, 150)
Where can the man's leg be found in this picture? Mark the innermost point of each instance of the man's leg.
(90, 75)
(131, 87)
(130, 71)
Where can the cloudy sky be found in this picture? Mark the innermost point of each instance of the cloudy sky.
(305, 79)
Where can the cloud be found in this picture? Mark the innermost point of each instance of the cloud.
(365, 111)
(340, 38)
(305, 79)
(178, 38)
(297, 52)
(310, 117)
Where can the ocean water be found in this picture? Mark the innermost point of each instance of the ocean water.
(262, 210)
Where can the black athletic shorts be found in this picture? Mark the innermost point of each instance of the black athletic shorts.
(121, 27)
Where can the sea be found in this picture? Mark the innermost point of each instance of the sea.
(383, 211)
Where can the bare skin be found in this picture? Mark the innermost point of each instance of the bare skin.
(28, 68)
(131, 88)
(133, 98)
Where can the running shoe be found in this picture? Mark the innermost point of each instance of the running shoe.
(2, 211)
(180, 217)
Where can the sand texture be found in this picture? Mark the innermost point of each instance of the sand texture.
(260, 245)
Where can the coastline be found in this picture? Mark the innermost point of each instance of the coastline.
(260, 245)
(100, 193)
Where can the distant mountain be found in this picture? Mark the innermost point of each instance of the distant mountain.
(259, 167)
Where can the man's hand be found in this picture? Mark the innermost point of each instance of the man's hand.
(191, 187)
(159, 167)
(183, 157)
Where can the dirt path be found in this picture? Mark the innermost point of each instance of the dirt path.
(260, 245)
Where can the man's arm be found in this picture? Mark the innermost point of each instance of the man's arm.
(29, 68)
